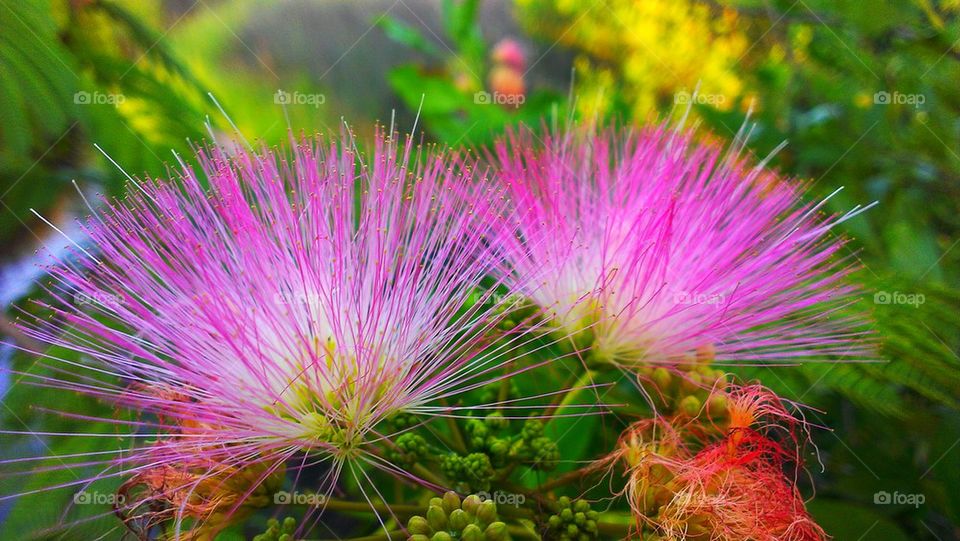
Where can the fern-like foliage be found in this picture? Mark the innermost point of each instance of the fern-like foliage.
(54, 56)
(918, 330)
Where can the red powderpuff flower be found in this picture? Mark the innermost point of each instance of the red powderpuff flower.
(652, 245)
(684, 485)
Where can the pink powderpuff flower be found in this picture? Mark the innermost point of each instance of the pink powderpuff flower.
(652, 245)
(274, 304)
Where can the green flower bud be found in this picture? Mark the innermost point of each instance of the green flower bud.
(419, 525)
(496, 532)
(418, 537)
(499, 447)
(436, 517)
(496, 421)
(441, 536)
(458, 520)
(692, 382)
(662, 378)
(472, 533)
(470, 504)
(717, 405)
(690, 406)
(566, 514)
(532, 428)
(487, 512)
(450, 502)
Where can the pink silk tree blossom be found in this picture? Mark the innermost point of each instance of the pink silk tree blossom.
(650, 245)
(278, 303)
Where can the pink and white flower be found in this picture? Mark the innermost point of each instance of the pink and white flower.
(650, 245)
(279, 303)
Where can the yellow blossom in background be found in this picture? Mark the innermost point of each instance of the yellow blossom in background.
(658, 50)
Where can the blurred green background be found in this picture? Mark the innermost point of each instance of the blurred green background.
(865, 93)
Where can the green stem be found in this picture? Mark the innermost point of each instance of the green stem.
(517, 489)
(575, 382)
(396, 534)
(566, 479)
(426, 474)
(620, 531)
(515, 512)
(396, 508)
(504, 392)
(459, 444)
(522, 532)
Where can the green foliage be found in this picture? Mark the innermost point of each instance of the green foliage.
(895, 419)
(451, 101)
(75, 74)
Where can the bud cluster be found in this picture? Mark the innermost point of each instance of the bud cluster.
(471, 472)
(530, 446)
(277, 531)
(410, 449)
(573, 521)
(450, 518)
(685, 389)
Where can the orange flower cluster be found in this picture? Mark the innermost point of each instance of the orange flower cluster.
(719, 477)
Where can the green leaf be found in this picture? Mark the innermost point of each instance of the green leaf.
(844, 520)
(405, 34)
